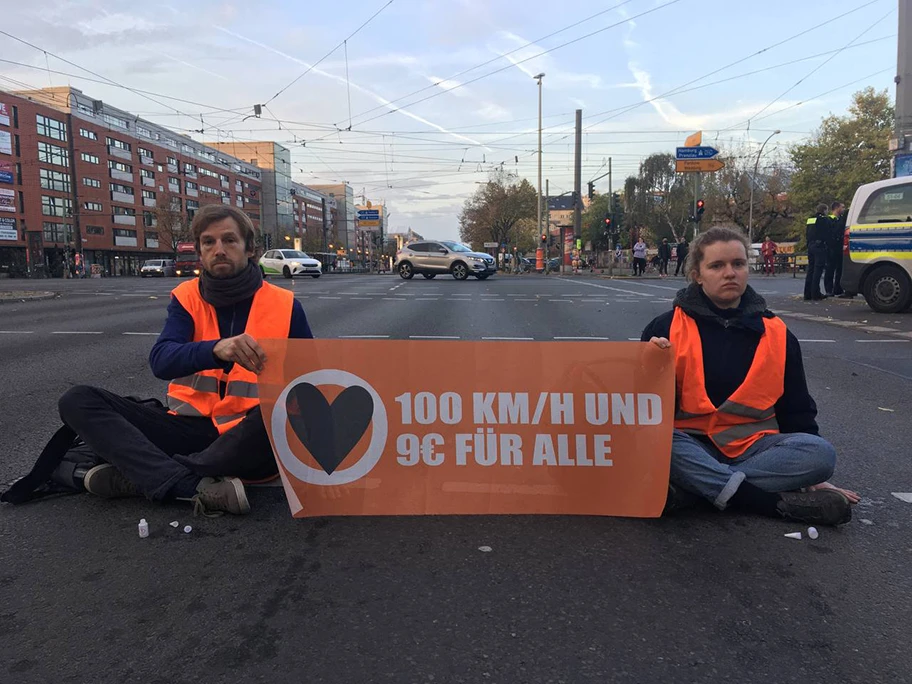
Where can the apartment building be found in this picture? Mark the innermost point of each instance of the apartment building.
(85, 184)
(345, 228)
(312, 216)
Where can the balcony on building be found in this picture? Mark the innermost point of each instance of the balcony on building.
(148, 161)
(172, 168)
(124, 220)
(123, 197)
(148, 202)
(226, 200)
(119, 153)
(190, 174)
(193, 192)
(226, 185)
(150, 222)
(148, 182)
(121, 175)
(239, 202)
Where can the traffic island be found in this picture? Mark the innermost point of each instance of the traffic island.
(25, 296)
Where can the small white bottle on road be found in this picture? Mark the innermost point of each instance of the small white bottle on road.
(143, 529)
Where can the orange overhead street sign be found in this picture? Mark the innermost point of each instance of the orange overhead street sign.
(698, 165)
(694, 140)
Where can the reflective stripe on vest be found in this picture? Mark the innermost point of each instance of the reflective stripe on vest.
(750, 412)
(811, 221)
(198, 394)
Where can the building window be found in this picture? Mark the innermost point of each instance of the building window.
(240, 200)
(91, 182)
(94, 230)
(91, 135)
(142, 130)
(115, 121)
(85, 109)
(56, 206)
(148, 218)
(125, 189)
(223, 177)
(148, 194)
(187, 149)
(206, 188)
(117, 166)
(189, 168)
(93, 206)
(143, 152)
(124, 211)
(238, 186)
(191, 185)
(172, 161)
(208, 156)
(91, 158)
(120, 144)
(192, 204)
(145, 173)
(170, 143)
(174, 184)
(57, 232)
(52, 154)
(51, 128)
(54, 180)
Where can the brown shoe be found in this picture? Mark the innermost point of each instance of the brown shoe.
(108, 482)
(820, 507)
(217, 495)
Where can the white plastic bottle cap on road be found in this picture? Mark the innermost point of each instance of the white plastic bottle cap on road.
(793, 535)
(174, 523)
(812, 533)
(187, 529)
(485, 549)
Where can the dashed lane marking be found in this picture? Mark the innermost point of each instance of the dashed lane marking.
(433, 337)
(583, 339)
(364, 337)
(514, 339)
(77, 332)
(141, 333)
(881, 341)
(816, 340)
(16, 332)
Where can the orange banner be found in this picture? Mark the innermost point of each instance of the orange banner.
(396, 427)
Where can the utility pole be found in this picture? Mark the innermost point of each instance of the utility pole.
(613, 219)
(902, 140)
(539, 78)
(547, 223)
(577, 177)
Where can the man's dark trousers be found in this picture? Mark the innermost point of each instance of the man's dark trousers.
(163, 454)
(833, 273)
(817, 257)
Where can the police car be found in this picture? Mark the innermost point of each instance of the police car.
(877, 245)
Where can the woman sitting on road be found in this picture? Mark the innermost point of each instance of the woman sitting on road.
(745, 430)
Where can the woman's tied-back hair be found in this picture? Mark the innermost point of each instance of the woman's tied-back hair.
(710, 237)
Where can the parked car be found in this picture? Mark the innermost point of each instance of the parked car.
(432, 258)
(289, 263)
(162, 268)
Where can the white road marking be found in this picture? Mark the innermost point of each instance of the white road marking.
(364, 299)
(525, 300)
(518, 339)
(633, 339)
(903, 496)
(562, 301)
(616, 289)
(139, 333)
(878, 329)
(882, 341)
(816, 340)
(16, 332)
(364, 337)
(135, 295)
(105, 294)
(493, 300)
(77, 332)
(329, 297)
(433, 337)
(582, 338)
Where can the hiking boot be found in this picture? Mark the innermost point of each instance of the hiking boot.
(821, 507)
(217, 495)
(108, 482)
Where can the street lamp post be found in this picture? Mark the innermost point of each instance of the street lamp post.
(539, 78)
(750, 220)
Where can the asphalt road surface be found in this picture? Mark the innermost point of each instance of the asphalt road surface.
(699, 597)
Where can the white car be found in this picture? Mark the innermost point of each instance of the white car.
(289, 263)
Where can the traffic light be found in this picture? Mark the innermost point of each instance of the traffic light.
(701, 207)
(544, 237)
(607, 223)
(591, 189)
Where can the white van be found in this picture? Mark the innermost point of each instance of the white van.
(877, 246)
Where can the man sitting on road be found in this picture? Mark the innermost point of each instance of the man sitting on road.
(213, 433)
(745, 430)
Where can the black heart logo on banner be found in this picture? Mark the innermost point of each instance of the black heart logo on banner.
(329, 431)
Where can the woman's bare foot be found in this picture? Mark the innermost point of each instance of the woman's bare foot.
(853, 497)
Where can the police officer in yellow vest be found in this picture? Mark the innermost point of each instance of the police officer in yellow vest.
(211, 439)
(817, 233)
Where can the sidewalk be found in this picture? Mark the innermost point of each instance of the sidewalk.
(25, 296)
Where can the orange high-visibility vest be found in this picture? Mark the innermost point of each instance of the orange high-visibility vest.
(198, 394)
(749, 413)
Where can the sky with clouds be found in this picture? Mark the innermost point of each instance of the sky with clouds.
(431, 95)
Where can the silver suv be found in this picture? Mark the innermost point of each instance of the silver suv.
(430, 258)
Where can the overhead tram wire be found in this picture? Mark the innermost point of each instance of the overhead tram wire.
(674, 91)
(513, 64)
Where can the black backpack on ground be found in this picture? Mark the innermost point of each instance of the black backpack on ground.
(60, 468)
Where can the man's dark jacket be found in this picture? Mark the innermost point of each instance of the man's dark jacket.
(730, 338)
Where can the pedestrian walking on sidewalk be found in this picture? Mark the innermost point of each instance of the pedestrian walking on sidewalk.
(745, 430)
(681, 250)
(768, 252)
(639, 257)
(664, 257)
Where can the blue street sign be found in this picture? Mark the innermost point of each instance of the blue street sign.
(369, 214)
(695, 152)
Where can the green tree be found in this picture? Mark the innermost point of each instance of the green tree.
(845, 152)
(658, 200)
(495, 211)
(593, 221)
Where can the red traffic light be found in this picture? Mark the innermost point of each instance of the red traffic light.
(607, 221)
(700, 204)
(544, 237)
